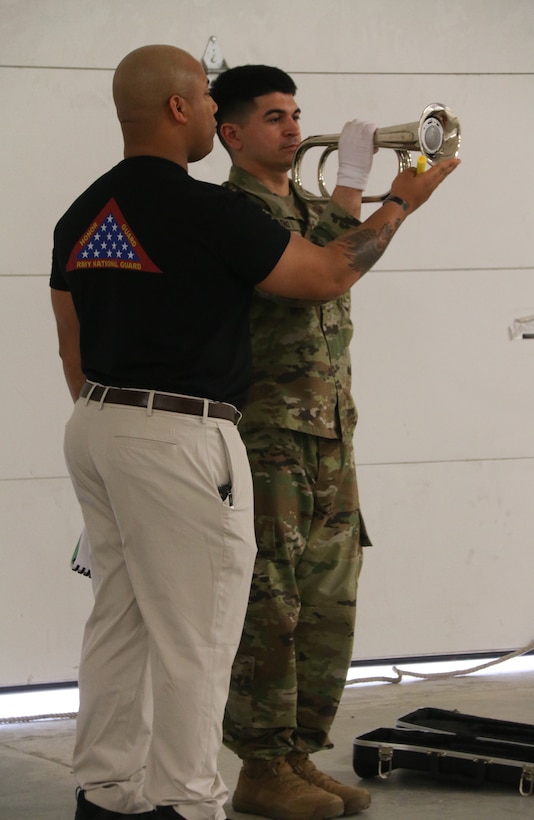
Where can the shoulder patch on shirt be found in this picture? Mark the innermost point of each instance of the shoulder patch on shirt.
(109, 242)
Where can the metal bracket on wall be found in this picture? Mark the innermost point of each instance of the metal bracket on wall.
(213, 61)
(522, 328)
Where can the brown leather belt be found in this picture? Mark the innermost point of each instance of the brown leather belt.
(161, 401)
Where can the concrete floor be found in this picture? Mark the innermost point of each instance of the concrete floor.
(36, 780)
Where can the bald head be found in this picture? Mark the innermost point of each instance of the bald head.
(147, 77)
(163, 104)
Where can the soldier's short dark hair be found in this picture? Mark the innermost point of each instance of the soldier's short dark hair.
(235, 89)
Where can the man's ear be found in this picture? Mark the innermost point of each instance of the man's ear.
(176, 108)
(229, 132)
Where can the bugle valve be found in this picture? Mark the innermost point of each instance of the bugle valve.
(436, 135)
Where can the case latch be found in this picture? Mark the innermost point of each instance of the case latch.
(526, 784)
(385, 761)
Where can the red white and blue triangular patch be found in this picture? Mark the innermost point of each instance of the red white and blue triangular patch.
(109, 242)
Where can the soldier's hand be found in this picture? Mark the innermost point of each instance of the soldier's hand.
(415, 188)
(355, 154)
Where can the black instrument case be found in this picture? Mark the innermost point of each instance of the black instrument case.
(444, 742)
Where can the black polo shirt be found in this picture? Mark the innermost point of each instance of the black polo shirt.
(161, 268)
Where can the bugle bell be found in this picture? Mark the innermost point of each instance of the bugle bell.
(436, 135)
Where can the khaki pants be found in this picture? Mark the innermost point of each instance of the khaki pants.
(171, 564)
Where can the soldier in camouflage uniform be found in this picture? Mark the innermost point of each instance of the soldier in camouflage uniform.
(298, 427)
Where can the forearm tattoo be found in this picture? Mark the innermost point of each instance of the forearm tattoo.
(364, 246)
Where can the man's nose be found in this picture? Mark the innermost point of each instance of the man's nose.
(292, 127)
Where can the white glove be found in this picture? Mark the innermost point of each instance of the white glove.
(355, 154)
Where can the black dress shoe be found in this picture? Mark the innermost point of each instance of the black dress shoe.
(89, 811)
(168, 812)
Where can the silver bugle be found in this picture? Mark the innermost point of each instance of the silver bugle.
(436, 135)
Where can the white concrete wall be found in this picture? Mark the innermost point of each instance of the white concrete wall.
(445, 441)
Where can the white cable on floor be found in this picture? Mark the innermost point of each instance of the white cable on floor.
(401, 673)
(34, 718)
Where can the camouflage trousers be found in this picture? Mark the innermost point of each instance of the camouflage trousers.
(290, 669)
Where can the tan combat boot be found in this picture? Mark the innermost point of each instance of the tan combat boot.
(354, 799)
(272, 789)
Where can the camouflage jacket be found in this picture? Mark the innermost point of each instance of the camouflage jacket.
(301, 359)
